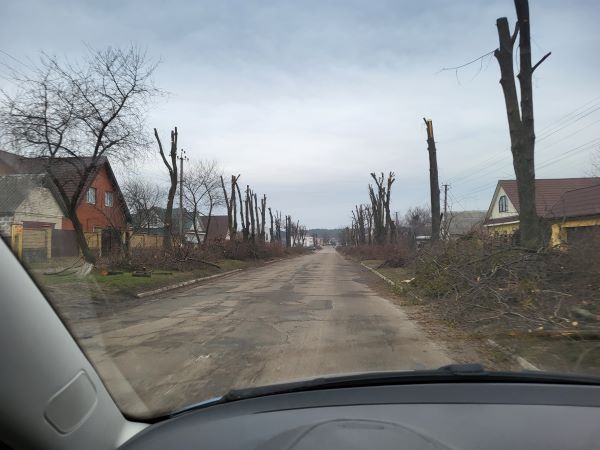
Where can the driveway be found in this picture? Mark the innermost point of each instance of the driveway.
(303, 317)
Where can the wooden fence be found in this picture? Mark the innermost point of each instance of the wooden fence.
(41, 244)
(145, 241)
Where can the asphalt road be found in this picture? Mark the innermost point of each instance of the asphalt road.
(303, 317)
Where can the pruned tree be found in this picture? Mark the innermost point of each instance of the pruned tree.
(278, 226)
(173, 174)
(77, 115)
(231, 205)
(243, 206)
(434, 185)
(263, 211)
(390, 226)
(369, 224)
(288, 231)
(271, 230)
(520, 118)
(380, 207)
(249, 203)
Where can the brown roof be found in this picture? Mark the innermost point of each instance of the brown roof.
(577, 203)
(501, 220)
(219, 227)
(549, 191)
(68, 171)
(557, 198)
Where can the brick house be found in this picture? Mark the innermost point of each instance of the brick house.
(101, 208)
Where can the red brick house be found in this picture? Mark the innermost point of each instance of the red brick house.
(100, 207)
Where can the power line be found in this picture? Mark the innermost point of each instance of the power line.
(578, 114)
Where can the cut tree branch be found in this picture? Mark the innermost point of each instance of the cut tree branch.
(540, 61)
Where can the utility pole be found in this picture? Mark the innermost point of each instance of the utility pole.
(181, 158)
(445, 217)
(433, 182)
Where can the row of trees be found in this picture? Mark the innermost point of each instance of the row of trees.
(372, 223)
(75, 116)
(374, 220)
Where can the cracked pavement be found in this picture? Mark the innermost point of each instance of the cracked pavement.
(298, 318)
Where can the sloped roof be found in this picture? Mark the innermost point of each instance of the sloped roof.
(577, 203)
(462, 222)
(15, 188)
(68, 171)
(219, 226)
(547, 191)
(556, 198)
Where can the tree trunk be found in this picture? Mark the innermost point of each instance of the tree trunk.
(86, 251)
(521, 121)
(195, 224)
(208, 220)
(271, 229)
(434, 186)
(172, 168)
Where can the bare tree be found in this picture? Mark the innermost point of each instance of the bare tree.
(520, 119)
(77, 115)
(144, 199)
(202, 193)
(418, 220)
(173, 173)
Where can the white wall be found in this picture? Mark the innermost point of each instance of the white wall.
(495, 212)
(39, 206)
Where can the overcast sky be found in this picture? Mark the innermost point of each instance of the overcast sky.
(305, 98)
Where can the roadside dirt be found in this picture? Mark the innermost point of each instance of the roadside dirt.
(462, 346)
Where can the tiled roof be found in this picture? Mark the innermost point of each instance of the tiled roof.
(219, 226)
(557, 198)
(68, 171)
(15, 188)
(577, 203)
(547, 191)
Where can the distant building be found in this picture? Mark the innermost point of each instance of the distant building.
(461, 223)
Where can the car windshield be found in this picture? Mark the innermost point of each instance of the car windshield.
(234, 194)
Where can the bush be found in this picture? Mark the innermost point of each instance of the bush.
(393, 253)
(486, 281)
(191, 256)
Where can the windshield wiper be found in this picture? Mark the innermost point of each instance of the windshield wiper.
(453, 373)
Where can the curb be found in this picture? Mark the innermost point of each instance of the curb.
(392, 283)
(185, 283)
(383, 277)
(522, 362)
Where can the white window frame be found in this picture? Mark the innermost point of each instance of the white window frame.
(503, 204)
(90, 191)
(107, 196)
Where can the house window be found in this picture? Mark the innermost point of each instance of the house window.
(108, 199)
(503, 204)
(91, 196)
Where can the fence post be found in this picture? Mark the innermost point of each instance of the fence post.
(48, 243)
(16, 239)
